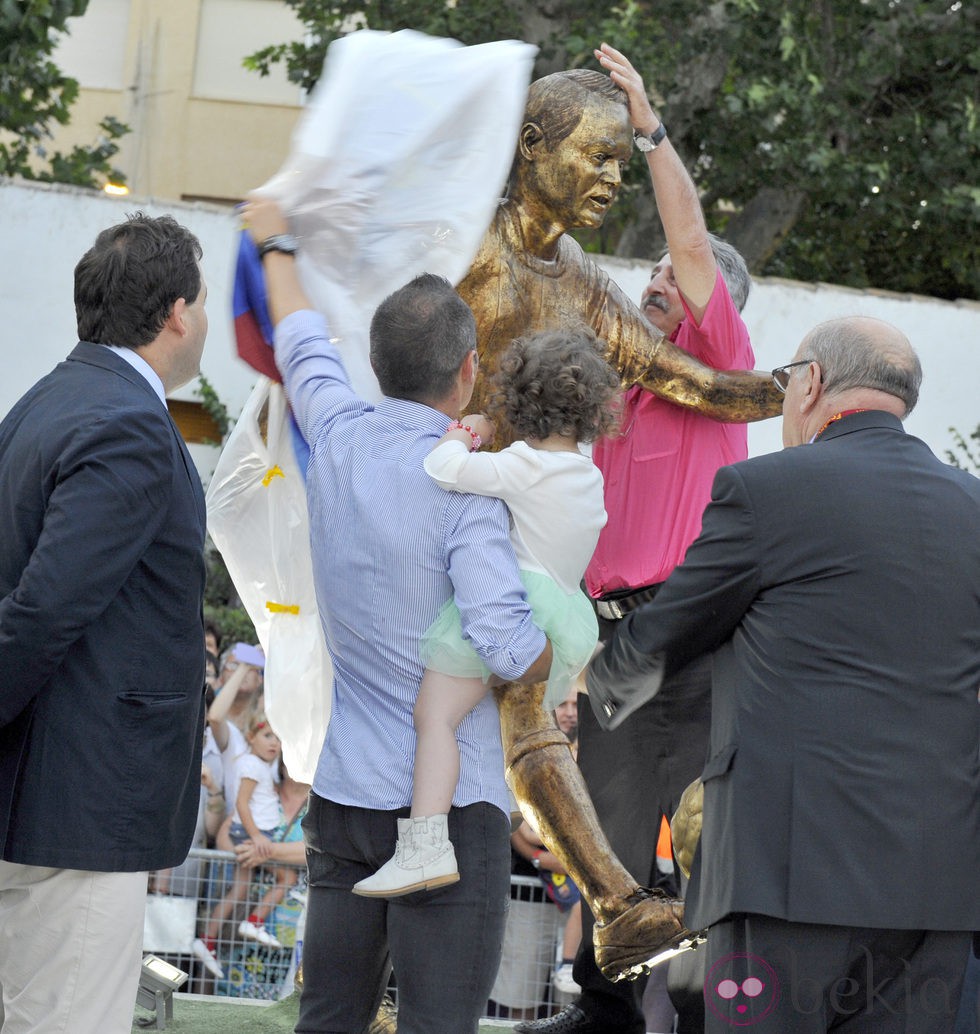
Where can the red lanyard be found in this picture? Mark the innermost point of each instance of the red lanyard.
(837, 416)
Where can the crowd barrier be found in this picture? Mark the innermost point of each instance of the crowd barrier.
(181, 902)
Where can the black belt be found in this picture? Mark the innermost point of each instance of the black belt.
(613, 608)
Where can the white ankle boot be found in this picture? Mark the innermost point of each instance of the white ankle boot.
(424, 859)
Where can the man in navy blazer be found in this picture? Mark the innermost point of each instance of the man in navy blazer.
(102, 523)
(838, 583)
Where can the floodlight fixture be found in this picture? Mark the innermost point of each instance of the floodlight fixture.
(158, 981)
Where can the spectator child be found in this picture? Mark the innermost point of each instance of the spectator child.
(235, 702)
(556, 390)
(257, 814)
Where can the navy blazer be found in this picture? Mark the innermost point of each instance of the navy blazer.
(102, 522)
(839, 583)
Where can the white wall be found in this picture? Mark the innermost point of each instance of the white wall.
(47, 229)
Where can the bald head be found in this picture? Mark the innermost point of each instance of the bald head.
(860, 352)
(852, 363)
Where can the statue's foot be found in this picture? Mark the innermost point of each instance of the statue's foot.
(648, 932)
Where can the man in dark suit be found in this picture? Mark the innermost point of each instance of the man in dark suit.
(839, 584)
(101, 636)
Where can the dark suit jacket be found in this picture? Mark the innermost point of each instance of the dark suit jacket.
(840, 584)
(101, 631)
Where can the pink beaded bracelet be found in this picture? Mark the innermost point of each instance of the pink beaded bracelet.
(477, 440)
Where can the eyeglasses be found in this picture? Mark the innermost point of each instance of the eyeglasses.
(780, 375)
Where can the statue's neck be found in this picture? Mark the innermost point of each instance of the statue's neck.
(531, 234)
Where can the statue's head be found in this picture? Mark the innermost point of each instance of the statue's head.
(573, 146)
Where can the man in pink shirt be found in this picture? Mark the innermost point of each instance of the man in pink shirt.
(658, 478)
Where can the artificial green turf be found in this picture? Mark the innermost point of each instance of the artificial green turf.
(199, 1015)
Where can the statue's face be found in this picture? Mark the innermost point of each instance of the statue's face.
(576, 182)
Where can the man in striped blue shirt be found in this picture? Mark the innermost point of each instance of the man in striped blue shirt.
(389, 548)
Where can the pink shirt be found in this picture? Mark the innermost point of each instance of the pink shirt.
(658, 473)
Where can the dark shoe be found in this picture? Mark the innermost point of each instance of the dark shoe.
(573, 1020)
(649, 932)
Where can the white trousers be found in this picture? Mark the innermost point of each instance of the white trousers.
(70, 949)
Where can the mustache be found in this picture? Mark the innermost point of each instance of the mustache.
(657, 301)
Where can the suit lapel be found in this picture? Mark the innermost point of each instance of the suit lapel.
(192, 475)
(98, 355)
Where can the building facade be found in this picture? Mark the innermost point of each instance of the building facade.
(203, 128)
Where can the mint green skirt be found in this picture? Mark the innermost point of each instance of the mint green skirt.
(568, 621)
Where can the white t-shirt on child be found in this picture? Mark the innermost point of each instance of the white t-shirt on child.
(264, 802)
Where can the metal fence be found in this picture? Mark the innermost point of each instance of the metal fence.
(184, 904)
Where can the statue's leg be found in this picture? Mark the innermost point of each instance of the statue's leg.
(633, 924)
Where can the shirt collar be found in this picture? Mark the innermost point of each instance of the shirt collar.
(415, 414)
(142, 367)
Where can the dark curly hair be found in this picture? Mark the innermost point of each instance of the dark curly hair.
(557, 382)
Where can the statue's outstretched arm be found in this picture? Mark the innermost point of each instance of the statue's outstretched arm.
(644, 357)
(731, 396)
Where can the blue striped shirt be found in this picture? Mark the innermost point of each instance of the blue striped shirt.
(389, 548)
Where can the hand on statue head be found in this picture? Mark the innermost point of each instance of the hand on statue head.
(481, 425)
(263, 218)
(625, 75)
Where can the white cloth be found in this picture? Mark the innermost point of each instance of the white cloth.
(528, 954)
(264, 802)
(70, 949)
(554, 498)
(395, 169)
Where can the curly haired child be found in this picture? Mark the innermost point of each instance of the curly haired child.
(555, 390)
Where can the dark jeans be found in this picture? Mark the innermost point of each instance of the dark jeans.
(635, 774)
(444, 945)
(778, 977)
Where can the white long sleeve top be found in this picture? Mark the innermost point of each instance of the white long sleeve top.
(555, 501)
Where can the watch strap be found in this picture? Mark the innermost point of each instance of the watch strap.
(284, 242)
(651, 141)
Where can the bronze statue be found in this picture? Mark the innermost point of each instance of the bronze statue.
(529, 275)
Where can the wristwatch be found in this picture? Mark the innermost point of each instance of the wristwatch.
(284, 242)
(653, 141)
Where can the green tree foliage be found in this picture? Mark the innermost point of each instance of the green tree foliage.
(34, 96)
(966, 451)
(214, 407)
(831, 140)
